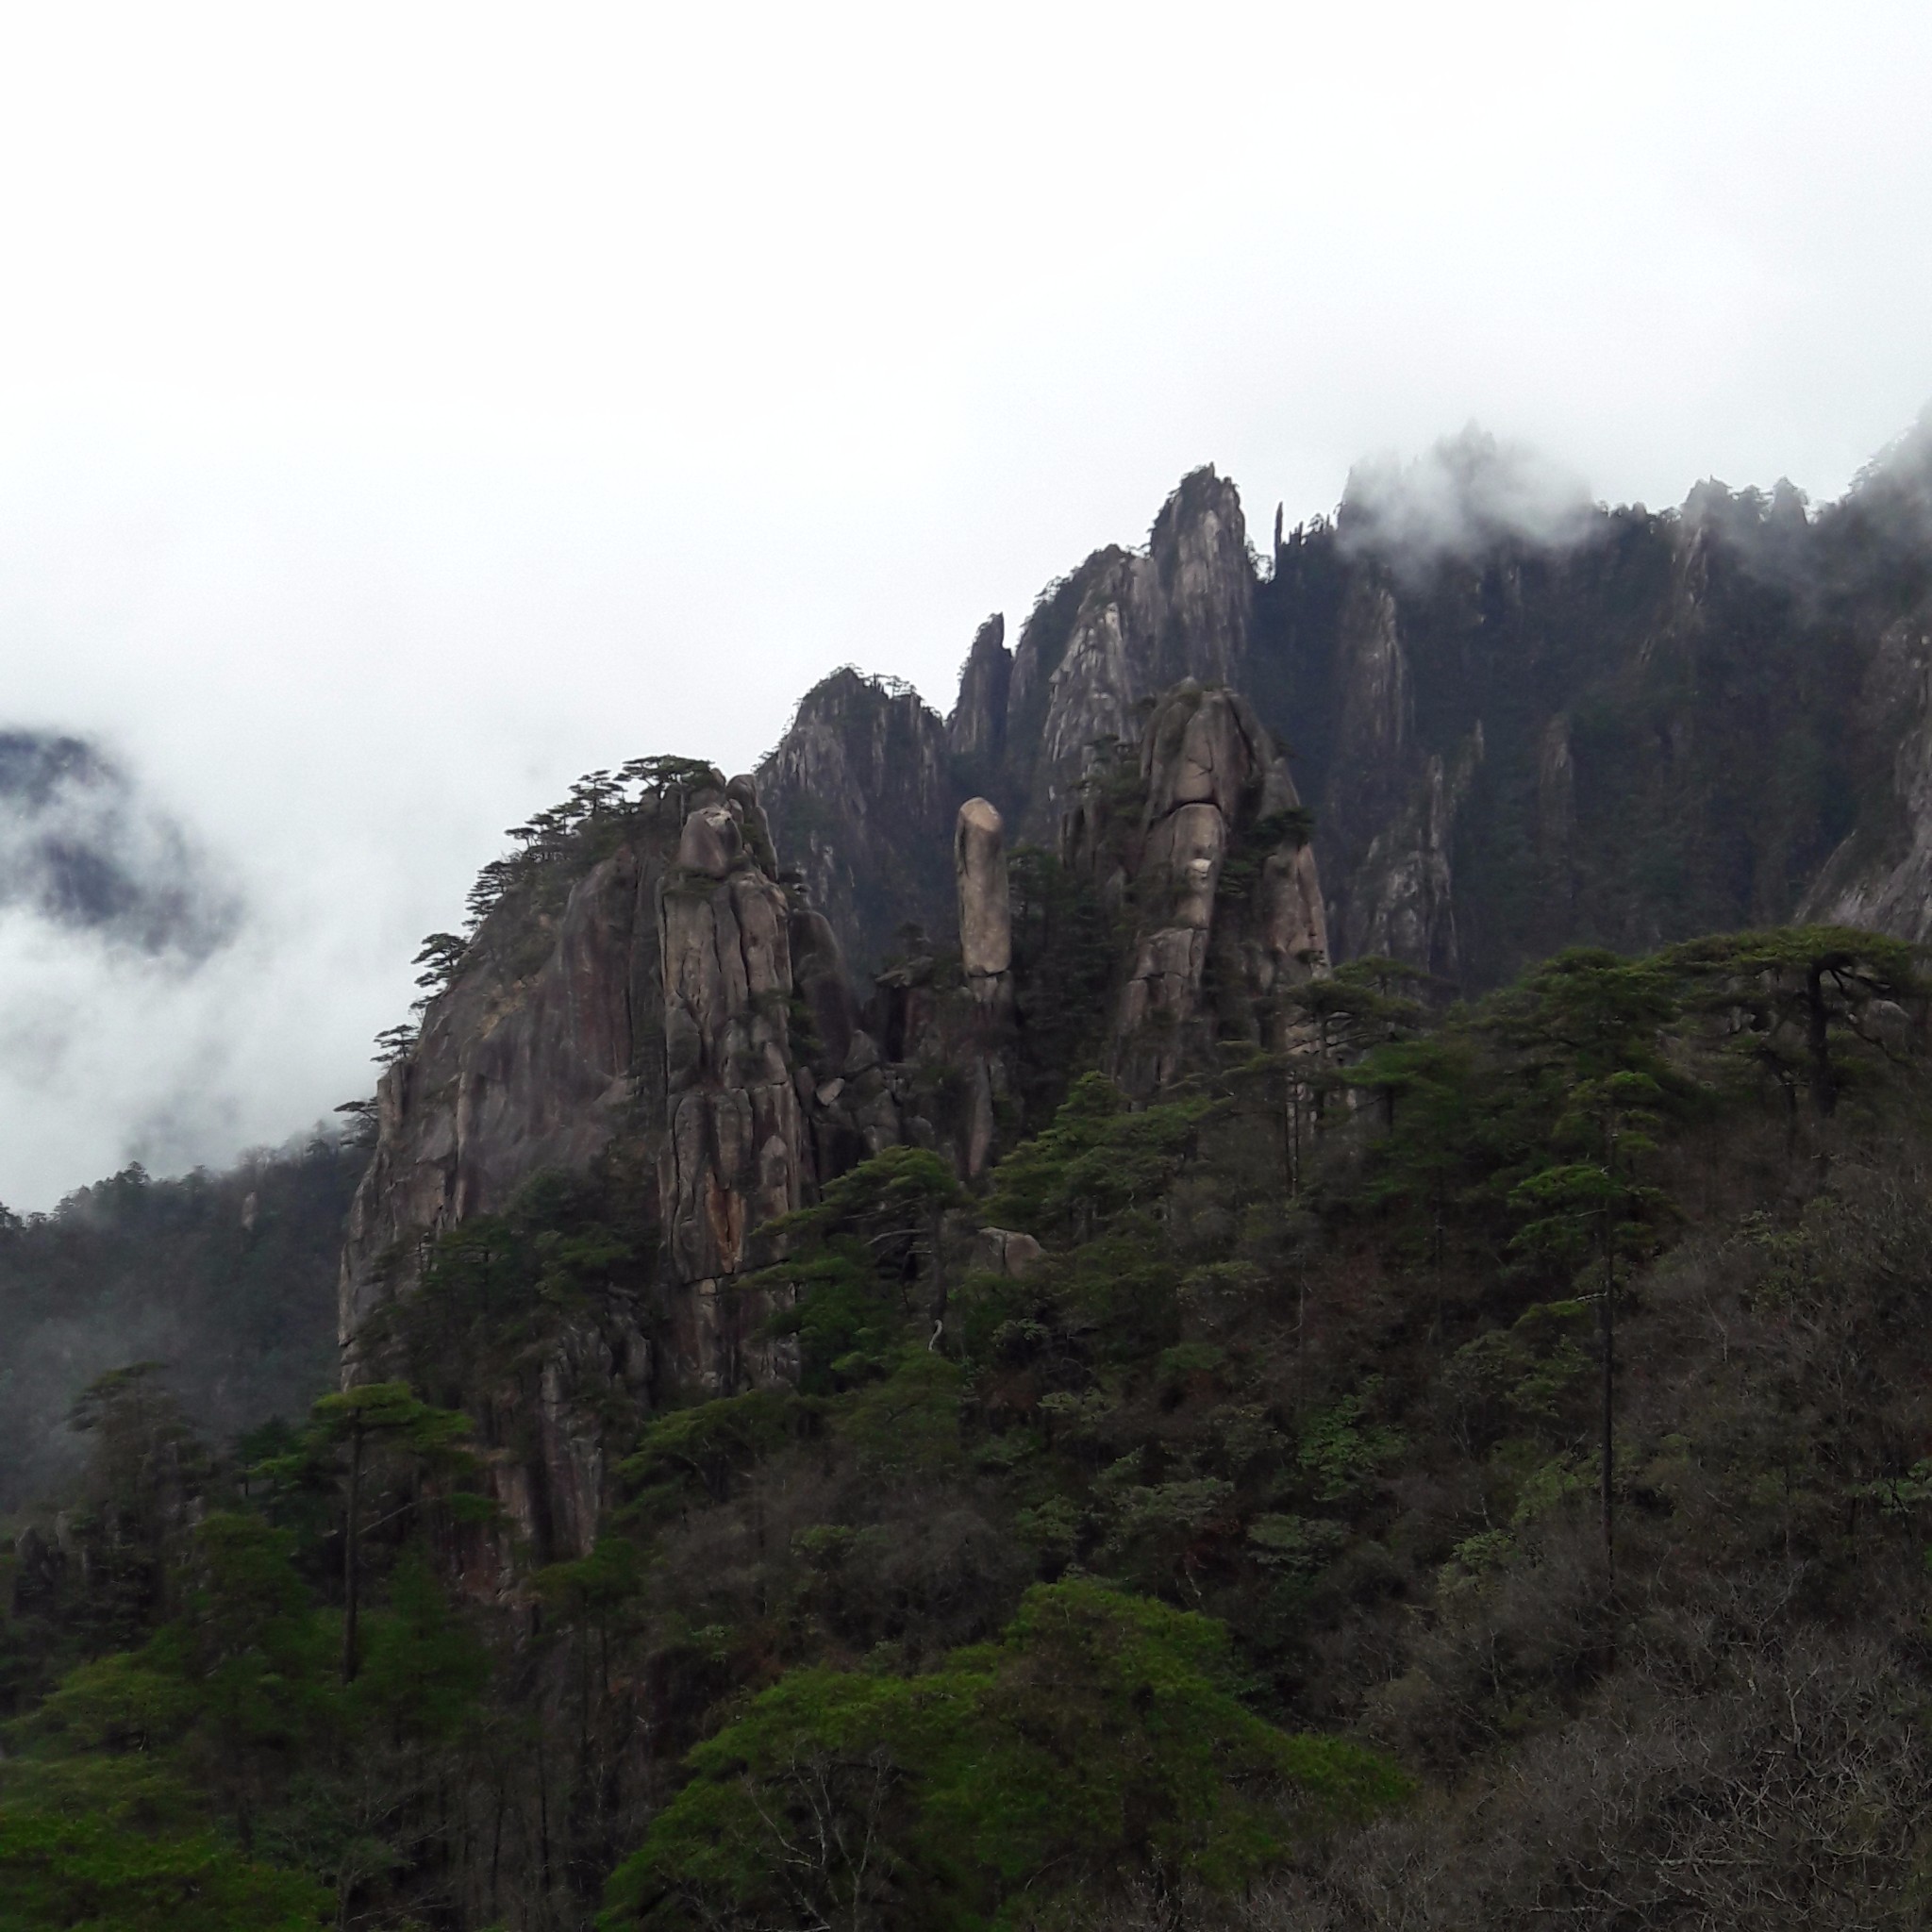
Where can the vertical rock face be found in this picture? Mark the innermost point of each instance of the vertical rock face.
(1389, 819)
(986, 955)
(976, 730)
(524, 1064)
(1204, 578)
(866, 773)
(1881, 875)
(1109, 662)
(1141, 622)
(734, 1150)
(649, 1011)
(861, 796)
(1218, 870)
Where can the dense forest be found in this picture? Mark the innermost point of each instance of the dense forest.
(1470, 1466)
(225, 1281)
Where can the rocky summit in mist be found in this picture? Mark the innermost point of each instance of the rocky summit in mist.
(1522, 722)
(1274, 1276)
(82, 848)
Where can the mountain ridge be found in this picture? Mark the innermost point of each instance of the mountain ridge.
(1479, 725)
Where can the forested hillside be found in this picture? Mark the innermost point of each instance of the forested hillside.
(1247, 1554)
(226, 1281)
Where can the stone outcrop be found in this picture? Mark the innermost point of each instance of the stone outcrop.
(1881, 874)
(734, 1152)
(644, 1008)
(986, 958)
(860, 796)
(530, 1061)
(1143, 621)
(1003, 1251)
(656, 1004)
(866, 772)
(986, 919)
(977, 728)
(1623, 731)
(1217, 867)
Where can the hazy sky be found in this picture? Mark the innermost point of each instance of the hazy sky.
(403, 408)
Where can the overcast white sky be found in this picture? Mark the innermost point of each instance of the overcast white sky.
(403, 408)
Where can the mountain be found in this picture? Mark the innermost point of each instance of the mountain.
(646, 1004)
(1519, 725)
(1272, 1278)
(82, 846)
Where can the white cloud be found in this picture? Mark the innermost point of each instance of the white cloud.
(1457, 498)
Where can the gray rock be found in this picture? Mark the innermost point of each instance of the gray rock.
(734, 1149)
(1004, 1251)
(818, 973)
(1183, 610)
(861, 796)
(1212, 776)
(976, 730)
(713, 841)
(980, 865)
(513, 1072)
(655, 1003)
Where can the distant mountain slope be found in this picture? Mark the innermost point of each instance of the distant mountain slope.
(1521, 720)
(82, 846)
(228, 1280)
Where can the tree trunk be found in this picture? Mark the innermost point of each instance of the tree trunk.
(350, 1539)
(937, 1234)
(1609, 1321)
(1823, 1087)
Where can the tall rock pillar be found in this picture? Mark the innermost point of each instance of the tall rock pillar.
(734, 1149)
(986, 919)
(986, 951)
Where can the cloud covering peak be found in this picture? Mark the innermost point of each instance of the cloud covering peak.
(1458, 498)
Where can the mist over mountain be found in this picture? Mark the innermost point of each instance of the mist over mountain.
(1522, 719)
(224, 1281)
(966, 971)
(82, 848)
(1465, 497)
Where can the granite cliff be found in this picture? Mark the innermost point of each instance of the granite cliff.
(652, 1002)
(1640, 728)
(1615, 726)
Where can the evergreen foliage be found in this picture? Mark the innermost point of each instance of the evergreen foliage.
(1429, 1470)
(1098, 1730)
(227, 1280)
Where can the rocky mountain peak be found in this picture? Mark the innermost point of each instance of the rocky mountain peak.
(976, 729)
(860, 793)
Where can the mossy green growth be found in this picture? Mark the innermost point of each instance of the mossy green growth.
(1097, 1739)
(78, 1868)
